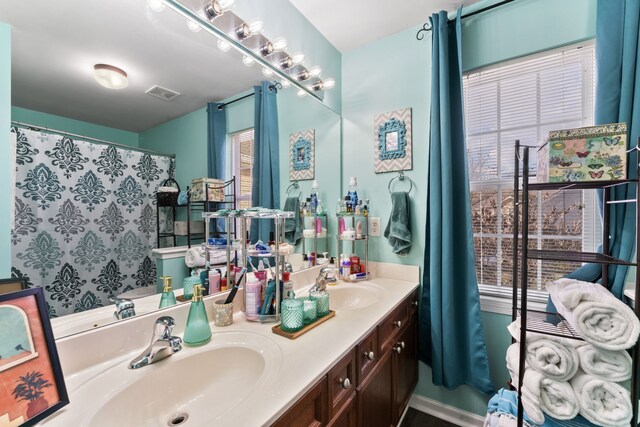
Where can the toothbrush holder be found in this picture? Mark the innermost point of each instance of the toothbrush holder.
(222, 313)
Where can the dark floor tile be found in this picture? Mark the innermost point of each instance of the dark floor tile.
(415, 418)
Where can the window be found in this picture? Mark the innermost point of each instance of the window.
(525, 99)
(242, 166)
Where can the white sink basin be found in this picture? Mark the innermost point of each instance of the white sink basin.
(347, 296)
(198, 385)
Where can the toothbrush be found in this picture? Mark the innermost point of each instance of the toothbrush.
(233, 292)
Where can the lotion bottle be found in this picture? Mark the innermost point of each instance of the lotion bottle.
(198, 330)
(168, 298)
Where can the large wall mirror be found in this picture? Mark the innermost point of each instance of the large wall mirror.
(89, 158)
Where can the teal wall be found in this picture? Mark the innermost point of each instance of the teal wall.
(394, 73)
(174, 267)
(5, 149)
(74, 126)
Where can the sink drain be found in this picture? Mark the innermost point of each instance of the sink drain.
(178, 419)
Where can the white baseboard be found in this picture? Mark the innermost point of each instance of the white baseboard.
(445, 412)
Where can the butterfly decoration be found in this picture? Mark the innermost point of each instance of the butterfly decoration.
(612, 141)
(614, 173)
(582, 154)
(565, 163)
(595, 165)
(572, 176)
(596, 175)
(594, 145)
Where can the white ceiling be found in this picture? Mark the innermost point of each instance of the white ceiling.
(56, 43)
(349, 24)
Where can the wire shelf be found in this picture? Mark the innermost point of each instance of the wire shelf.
(587, 185)
(556, 255)
(547, 323)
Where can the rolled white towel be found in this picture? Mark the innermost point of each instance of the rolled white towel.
(602, 402)
(194, 257)
(599, 317)
(555, 357)
(605, 365)
(530, 385)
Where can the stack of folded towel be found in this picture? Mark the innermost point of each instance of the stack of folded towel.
(564, 377)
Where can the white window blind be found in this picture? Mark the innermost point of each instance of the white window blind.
(242, 157)
(524, 99)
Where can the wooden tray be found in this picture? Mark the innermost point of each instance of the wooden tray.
(293, 335)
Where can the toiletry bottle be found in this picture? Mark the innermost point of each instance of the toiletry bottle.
(198, 330)
(353, 193)
(341, 226)
(315, 195)
(319, 208)
(339, 206)
(365, 208)
(318, 227)
(346, 266)
(214, 281)
(359, 230)
(168, 298)
(287, 288)
(347, 205)
(305, 261)
(223, 284)
(253, 297)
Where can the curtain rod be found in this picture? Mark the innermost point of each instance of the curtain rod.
(424, 28)
(276, 86)
(96, 140)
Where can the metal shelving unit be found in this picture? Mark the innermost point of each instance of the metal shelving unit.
(364, 238)
(315, 238)
(544, 322)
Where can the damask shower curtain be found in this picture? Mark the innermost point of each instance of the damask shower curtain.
(85, 219)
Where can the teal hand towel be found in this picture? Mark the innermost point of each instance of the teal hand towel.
(398, 231)
(292, 226)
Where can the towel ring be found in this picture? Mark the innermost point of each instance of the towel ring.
(292, 186)
(401, 177)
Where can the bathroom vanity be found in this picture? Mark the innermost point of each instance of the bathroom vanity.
(358, 368)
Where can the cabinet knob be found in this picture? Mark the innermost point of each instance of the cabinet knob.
(415, 303)
(369, 355)
(345, 383)
(397, 349)
(401, 344)
(398, 323)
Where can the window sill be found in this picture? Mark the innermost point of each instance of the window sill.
(502, 305)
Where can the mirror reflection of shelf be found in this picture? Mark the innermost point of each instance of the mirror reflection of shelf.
(347, 279)
(355, 239)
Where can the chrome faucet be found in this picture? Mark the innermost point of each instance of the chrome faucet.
(124, 308)
(163, 344)
(323, 279)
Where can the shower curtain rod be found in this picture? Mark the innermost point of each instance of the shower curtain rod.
(276, 85)
(96, 140)
(424, 28)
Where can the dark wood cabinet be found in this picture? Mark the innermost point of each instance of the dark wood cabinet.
(375, 396)
(405, 368)
(372, 384)
(309, 411)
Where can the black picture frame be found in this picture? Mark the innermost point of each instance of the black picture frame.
(8, 285)
(52, 351)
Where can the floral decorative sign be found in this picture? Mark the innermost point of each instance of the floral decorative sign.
(392, 141)
(302, 155)
(31, 382)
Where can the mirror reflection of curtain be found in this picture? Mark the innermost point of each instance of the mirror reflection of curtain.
(85, 219)
(265, 188)
(216, 145)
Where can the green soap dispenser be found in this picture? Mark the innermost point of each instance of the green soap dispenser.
(168, 298)
(198, 330)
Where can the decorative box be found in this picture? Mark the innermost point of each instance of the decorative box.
(180, 227)
(216, 192)
(596, 153)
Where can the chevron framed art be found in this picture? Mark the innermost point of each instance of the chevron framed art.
(302, 156)
(392, 141)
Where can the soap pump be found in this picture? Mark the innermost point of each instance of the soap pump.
(198, 330)
(168, 298)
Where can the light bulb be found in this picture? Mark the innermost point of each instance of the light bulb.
(213, 9)
(315, 71)
(243, 31)
(255, 26)
(285, 83)
(193, 26)
(266, 49)
(226, 4)
(286, 62)
(302, 93)
(268, 72)
(329, 83)
(223, 45)
(297, 58)
(156, 5)
(247, 60)
(280, 43)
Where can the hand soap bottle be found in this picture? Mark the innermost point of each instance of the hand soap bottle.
(198, 330)
(168, 298)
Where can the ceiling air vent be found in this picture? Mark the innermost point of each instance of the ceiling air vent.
(162, 93)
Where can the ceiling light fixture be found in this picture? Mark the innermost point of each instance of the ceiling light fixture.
(303, 75)
(156, 5)
(267, 49)
(110, 77)
(243, 31)
(223, 45)
(248, 61)
(213, 9)
(286, 62)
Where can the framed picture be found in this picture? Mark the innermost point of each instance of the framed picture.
(31, 381)
(302, 156)
(12, 285)
(392, 147)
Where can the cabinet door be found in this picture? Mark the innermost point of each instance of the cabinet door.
(309, 411)
(347, 416)
(341, 382)
(405, 367)
(375, 396)
(367, 355)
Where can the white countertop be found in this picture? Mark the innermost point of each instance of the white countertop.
(304, 360)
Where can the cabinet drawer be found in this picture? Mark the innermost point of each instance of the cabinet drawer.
(367, 354)
(309, 411)
(389, 328)
(342, 383)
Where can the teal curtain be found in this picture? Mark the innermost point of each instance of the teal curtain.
(265, 188)
(216, 145)
(618, 100)
(451, 335)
